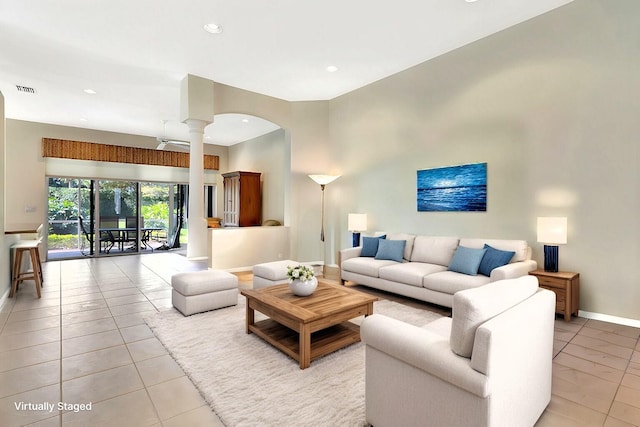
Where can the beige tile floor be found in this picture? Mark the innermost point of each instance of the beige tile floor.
(85, 340)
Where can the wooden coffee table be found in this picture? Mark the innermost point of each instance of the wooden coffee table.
(306, 328)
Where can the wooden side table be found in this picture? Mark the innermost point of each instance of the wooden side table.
(566, 286)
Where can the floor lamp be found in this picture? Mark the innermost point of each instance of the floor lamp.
(323, 180)
(552, 231)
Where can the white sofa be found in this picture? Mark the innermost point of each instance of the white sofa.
(488, 365)
(424, 269)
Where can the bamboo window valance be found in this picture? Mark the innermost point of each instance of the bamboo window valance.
(78, 150)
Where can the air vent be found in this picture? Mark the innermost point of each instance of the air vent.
(25, 89)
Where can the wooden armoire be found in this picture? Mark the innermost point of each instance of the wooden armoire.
(242, 199)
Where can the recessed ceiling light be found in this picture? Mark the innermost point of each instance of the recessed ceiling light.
(332, 68)
(90, 91)
(213, 28)
(245, 120)
(83, 119)
(471, 1)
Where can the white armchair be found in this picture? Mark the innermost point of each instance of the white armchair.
(488, 365)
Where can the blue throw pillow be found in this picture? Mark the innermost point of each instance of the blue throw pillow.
(370, 245)
(494, 258)
(466, 260)
(391, 250)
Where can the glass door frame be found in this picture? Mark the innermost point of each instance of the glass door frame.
(91, 224)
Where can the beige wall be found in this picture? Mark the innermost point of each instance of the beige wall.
(551, 105)
(267, 155)
(306, 135)
(240, 248)
(310, 155)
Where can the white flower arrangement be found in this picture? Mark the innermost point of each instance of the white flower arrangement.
(300, 272)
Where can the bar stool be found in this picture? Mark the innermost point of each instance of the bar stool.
(17, 276)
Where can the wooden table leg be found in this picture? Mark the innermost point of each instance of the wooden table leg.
(251, 314)
(15, 272)
(568, 298)
(39, 260)
(305, 346)
(369, 309)
(575, 295)
(36, 274)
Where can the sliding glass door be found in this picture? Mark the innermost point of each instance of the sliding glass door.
(156, 207)
(69, 199)
(111, 217)
(176, 231)
(117, 217)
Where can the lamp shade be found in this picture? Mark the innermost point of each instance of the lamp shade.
(357, 222)
(324, 179)
(552, 230)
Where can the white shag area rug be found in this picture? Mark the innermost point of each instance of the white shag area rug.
(247, 382)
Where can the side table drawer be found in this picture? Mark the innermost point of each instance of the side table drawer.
(551, 283)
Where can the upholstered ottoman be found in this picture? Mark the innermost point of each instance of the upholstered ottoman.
(271, 273)
(198, 291)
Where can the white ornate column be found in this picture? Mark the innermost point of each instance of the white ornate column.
(196, 110)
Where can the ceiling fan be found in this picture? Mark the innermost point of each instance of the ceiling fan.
(164, 141)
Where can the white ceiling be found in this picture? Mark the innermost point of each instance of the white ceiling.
(135, 53)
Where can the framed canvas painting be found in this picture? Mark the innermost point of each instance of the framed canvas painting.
(453, 188)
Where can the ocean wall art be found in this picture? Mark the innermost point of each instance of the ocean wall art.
(453, 188)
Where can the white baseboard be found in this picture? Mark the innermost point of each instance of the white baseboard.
(611, 319)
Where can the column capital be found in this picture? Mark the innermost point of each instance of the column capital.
(196, 125)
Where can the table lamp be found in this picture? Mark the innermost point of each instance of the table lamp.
(552, 231)
(357, 223)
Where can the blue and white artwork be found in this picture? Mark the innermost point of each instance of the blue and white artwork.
(453, 188)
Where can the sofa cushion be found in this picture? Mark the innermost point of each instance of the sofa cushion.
(365, 265)
(370, 246)
(409, 273)
(473, 307)
(494, 258)
(391, 249)
(434, 249)
(409, 238)
(520, 247)
(466, 260)
(450, 282)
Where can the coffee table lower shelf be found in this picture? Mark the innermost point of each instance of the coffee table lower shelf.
(323, 342)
